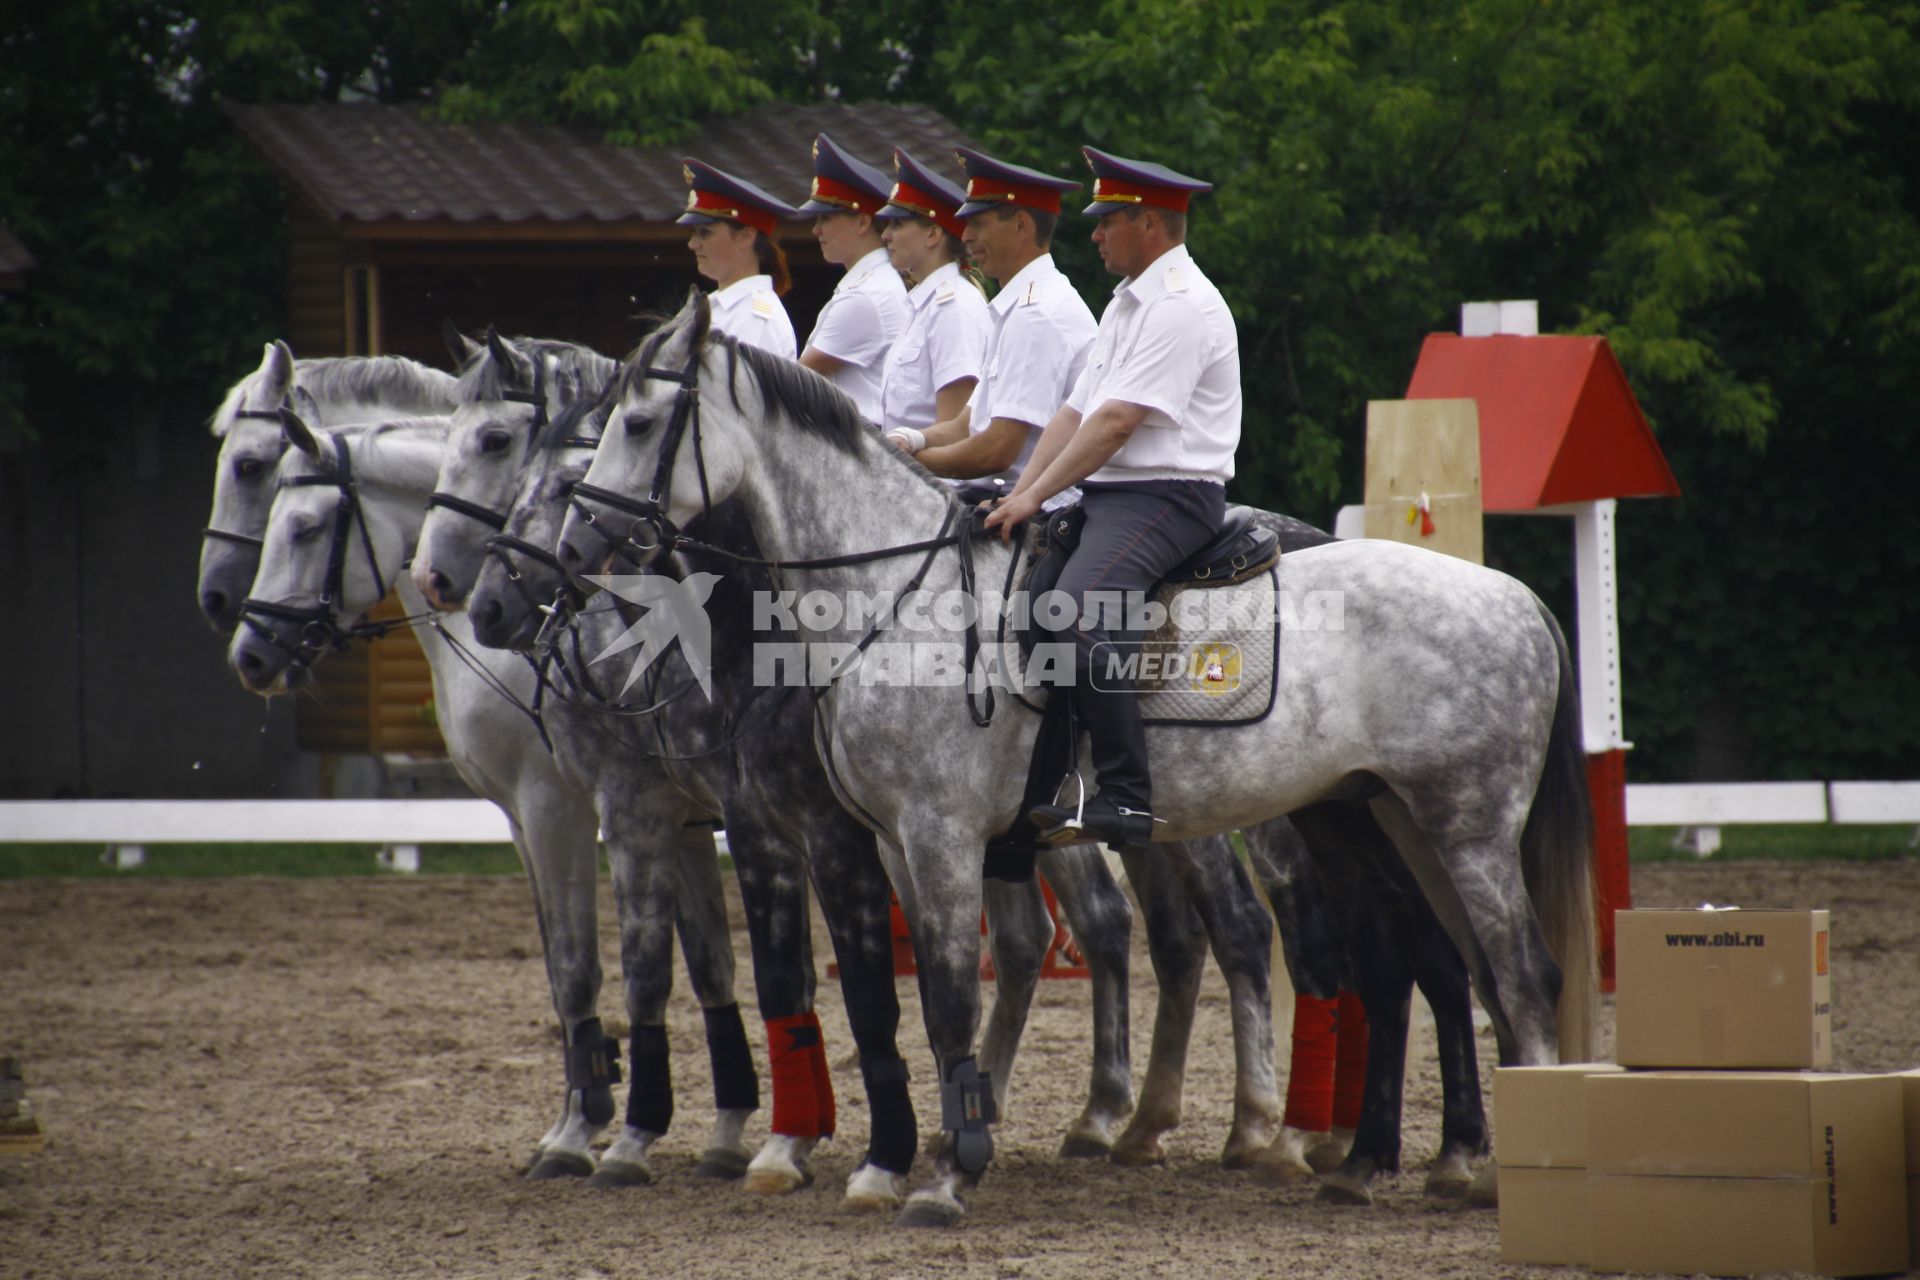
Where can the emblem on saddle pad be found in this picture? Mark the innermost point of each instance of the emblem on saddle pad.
(1218, 670)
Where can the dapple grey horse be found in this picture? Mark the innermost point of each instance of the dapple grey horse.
(1443, 700)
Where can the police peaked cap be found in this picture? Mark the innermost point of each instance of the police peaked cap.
(713, 195)
(995, 184)
(843, 183)
(919, 192)
(1127, 184)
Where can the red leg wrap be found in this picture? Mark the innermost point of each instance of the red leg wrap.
(822, 1082)
(1310, 1078)
(1350, 1075)
(793, 1047)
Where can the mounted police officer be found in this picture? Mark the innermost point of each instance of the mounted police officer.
(734, 228)
(868, 309)
(1148, 433)
(1042, 329)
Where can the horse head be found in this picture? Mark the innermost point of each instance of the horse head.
(660, 463)
(247, 424)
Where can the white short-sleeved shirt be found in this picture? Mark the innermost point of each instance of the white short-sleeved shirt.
(945, 341)
(750, 310)
(1042, 330)
(867, 311)
(1167, 341)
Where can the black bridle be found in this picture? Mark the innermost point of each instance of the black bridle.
(319, 624)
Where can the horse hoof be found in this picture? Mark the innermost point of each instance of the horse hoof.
(621, 1173)
(1281, 1171)
(873, 1190)
(1142, 1154)
(721, 1164)
(1084, 1146)
(928, 1211)
(1485, 1191)
(1343, 1188)
(777, 1180)
(560, 1164)
(1241, 1156)
(1451, 1183)
(1330, 1152)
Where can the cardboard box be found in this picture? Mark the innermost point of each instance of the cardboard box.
(1910, 1084)
(1540, 1114)
(1738, 1173)
(1706, 989)
(1540, 1141)
(1543, 1216)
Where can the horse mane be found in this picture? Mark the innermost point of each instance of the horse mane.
(393, 380)
(482, 379)
(585, 418)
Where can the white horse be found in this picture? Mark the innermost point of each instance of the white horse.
(500, 756)
(1444, 701)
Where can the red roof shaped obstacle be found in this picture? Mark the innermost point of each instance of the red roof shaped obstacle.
(1558, 422)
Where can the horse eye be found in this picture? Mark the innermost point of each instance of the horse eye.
(495, 442)
(246, 468)
(637, 424)
(307, 533)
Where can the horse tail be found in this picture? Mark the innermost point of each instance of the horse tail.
(1556, 858)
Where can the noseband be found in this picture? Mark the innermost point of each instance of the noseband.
(319, 622)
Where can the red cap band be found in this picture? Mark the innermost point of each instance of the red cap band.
(714, 205)
(1000, 191)
(827, 191)
(923, 203)
(1113, 191)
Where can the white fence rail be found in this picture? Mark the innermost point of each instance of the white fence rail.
(401, 826)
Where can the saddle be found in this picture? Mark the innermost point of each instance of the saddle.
(1241, 550)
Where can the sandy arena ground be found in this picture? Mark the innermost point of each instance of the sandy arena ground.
(345, 1078)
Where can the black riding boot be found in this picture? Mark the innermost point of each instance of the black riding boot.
(1120, 813)
(1010, 855)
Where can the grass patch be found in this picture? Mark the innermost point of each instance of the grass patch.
(200, 861)
(1818, 843)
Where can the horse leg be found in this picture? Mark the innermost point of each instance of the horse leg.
(641, 829)
(856, 900)
(1463, 1126)
(706, 942)
(1101, 919)
(555, 840)
(940, 893)
(773, 890)
(1019, 931)
(1475, 887)
(1241, 932)
(1176, 944)
(1313, 939)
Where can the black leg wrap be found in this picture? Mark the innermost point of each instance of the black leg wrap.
(895, 1132)
(966, 1109)
(736, 1086)
(650, 1097)
(593, 1067)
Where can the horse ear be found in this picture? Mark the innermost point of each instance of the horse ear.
(699, 313)
(459, 345)
(513, 364)
(300, 435)
(276, 370)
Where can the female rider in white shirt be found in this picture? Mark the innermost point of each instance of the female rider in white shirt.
(734, 224)
(934, 366)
